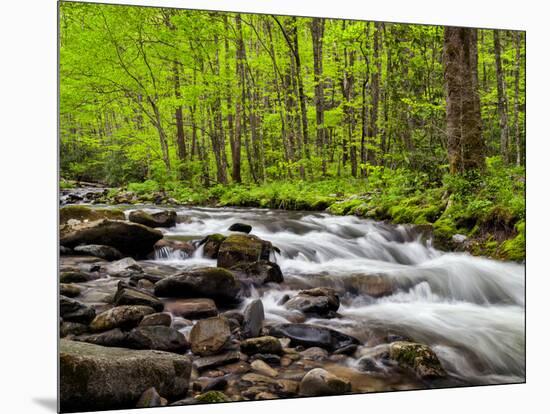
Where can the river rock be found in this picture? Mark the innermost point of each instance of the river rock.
(212, 397)
(253, 318)
(174, 245)
(129, 238)
(211, 245)
(240, 227)
(192, 308)
(125, 317)
(261, 345)
(94, 378)
(212, 361)
(210, 282)
(209, 336)
(210, 384)
(312, 335)
(157, 319)
(239, 248)
(150, 398)
(84, 213)
(112, 337)
(65, 251)
(165, 218)
(418, 357)
(97, 250)
(314, 353)
(126, 267)
(72, 328)
(264, 369)
(77, 277)
(127, 295)
(69, 290)
(74, 311)
(321, 382)
(162, 338)
(259, 272)
(318, 301)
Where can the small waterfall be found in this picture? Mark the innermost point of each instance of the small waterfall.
(470, 310)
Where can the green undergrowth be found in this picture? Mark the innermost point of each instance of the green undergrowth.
(488, 208)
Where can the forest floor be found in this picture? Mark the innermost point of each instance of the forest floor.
(484, 215)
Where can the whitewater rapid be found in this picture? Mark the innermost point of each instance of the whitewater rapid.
(470, 310)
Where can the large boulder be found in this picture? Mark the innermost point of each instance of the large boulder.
(69, 289)
(165, 218)
(127, 295)
(312, 335)
(192, 308)
(125, 317)
(253, 319)
(74, 311)
(258, 273)
(212, 245)
(317, 301)
(321, 382)
(209, 336)
(97, 250)
(239, 248)
(418, 357)
(85, 213)
(129, 238)
(210, 282)
(162, 338)
(98, 378)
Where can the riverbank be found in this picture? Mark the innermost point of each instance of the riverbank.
(483, 215)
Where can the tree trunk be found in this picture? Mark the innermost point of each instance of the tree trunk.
(375, 95)
(180, 137)
(502, 101)
(465, 145)
(517, 38)
(317, 32)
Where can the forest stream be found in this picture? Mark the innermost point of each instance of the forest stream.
(391, 283)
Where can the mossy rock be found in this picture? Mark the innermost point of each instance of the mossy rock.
(243, 248)
(212, 397)
(418, 357)
(85, 213)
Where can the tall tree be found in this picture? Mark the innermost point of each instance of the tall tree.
(465, 142)
(502, 100)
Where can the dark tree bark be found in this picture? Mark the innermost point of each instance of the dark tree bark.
(375, 94)
(317, 32)
(502, 101)
(517, 136)
(465, 144)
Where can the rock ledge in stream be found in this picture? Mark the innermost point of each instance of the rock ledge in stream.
(165, 218)
(128, 238)
(84, 213)
(207, 282)
(94, 378)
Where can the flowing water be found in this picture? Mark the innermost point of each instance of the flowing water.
(470, 310)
